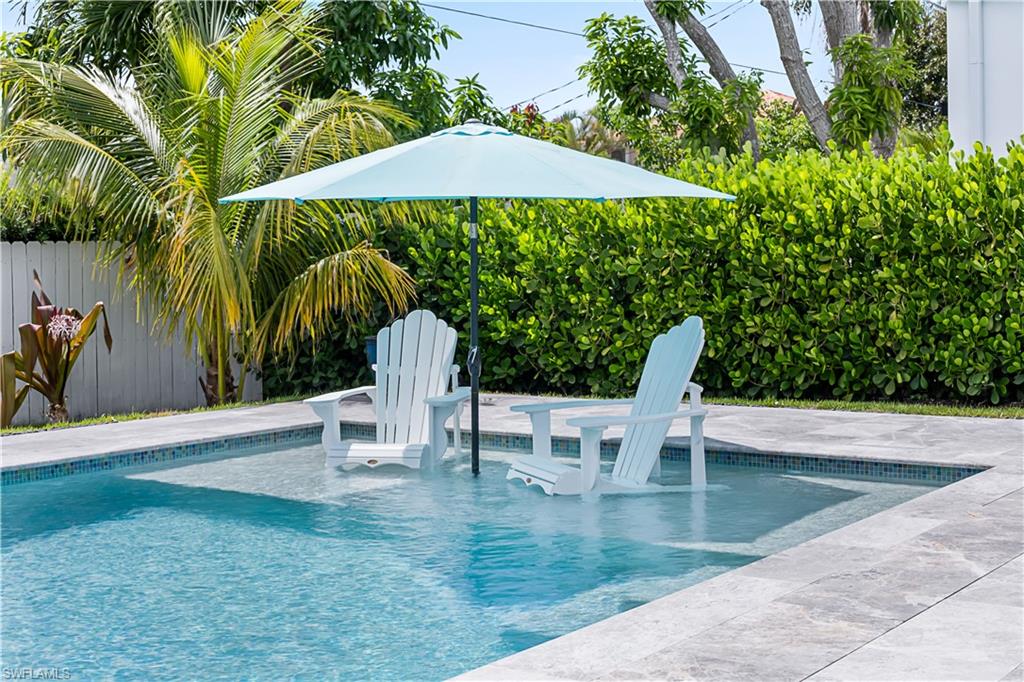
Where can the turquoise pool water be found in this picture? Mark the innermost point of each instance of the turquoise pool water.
(264, 566)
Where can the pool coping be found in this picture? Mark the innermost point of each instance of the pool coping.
(928, 588)
(674, 449)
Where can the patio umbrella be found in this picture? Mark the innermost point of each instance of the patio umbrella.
(475, 161)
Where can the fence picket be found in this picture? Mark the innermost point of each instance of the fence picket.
(142, 373)
(8, 328)
(39, 405)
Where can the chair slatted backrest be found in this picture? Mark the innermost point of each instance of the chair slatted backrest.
(667, 371)
(414, 360)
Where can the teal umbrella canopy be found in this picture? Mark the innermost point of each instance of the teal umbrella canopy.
(475, 160)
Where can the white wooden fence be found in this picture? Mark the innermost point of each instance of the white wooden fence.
(142, 372)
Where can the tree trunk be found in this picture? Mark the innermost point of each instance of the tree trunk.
(883, 37)
(719, 67)
(884, 145)
(796, 70)
(721, 70)
(673, 54)
(215, 380)
(842, 19)
(658, 101)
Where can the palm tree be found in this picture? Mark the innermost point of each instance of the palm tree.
(586, 134)
(147, 154)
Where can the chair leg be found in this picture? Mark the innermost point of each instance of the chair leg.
(698, 473)
(438, 435)
(457, 432)
(541, 424)
(328, 413)
(590, 458)
(456, 426)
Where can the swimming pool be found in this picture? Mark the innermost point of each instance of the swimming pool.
(265, 566)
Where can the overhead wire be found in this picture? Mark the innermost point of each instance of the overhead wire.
(734, 7)
(724, 9)
(743, 5)
(562, 104)
(541, 94)
(503, 19)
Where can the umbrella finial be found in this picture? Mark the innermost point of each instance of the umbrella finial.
(472, 120)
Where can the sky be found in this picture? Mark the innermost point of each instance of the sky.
(8, 16)
(517, 63)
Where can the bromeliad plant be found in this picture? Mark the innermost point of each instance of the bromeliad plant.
(54, 341)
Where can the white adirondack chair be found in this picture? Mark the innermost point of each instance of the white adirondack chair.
(413, 370)
(666, 376)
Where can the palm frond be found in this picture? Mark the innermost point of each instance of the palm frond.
(347, 283)
(83, 175)
(86, 100)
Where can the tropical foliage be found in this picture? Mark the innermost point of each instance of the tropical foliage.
(651, 89)
(927, 92)
(867, 99)
(782, 129)
(380, 47)
(470, 100)
(638, 96)
(53, 341)
(216, 109)
(846, 276)
(359, 42)
(585, 133)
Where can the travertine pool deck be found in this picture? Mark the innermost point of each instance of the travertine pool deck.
(931, 589)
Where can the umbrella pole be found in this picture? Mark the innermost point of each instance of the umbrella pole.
(474, 339)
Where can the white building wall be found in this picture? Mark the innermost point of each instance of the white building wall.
(985, 42)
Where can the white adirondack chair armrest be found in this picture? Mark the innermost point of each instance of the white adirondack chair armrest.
(454, 398)
(530, 408)
(604, 421)
(328, 407)
(695, 391)
(337, 396)
(441, 407)
(591, 429)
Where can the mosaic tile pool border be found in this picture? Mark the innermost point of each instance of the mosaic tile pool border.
(561, 445)
(167, 453)
(492, 441)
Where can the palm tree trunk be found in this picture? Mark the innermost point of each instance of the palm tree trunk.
(56, 413)
(219, 387)
(221, 384)
(242, 374)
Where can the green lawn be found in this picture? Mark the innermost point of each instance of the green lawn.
(934, 409)
(1013, 411)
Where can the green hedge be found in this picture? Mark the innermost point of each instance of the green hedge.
(840, 276)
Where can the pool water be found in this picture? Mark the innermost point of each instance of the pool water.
(266, 566)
